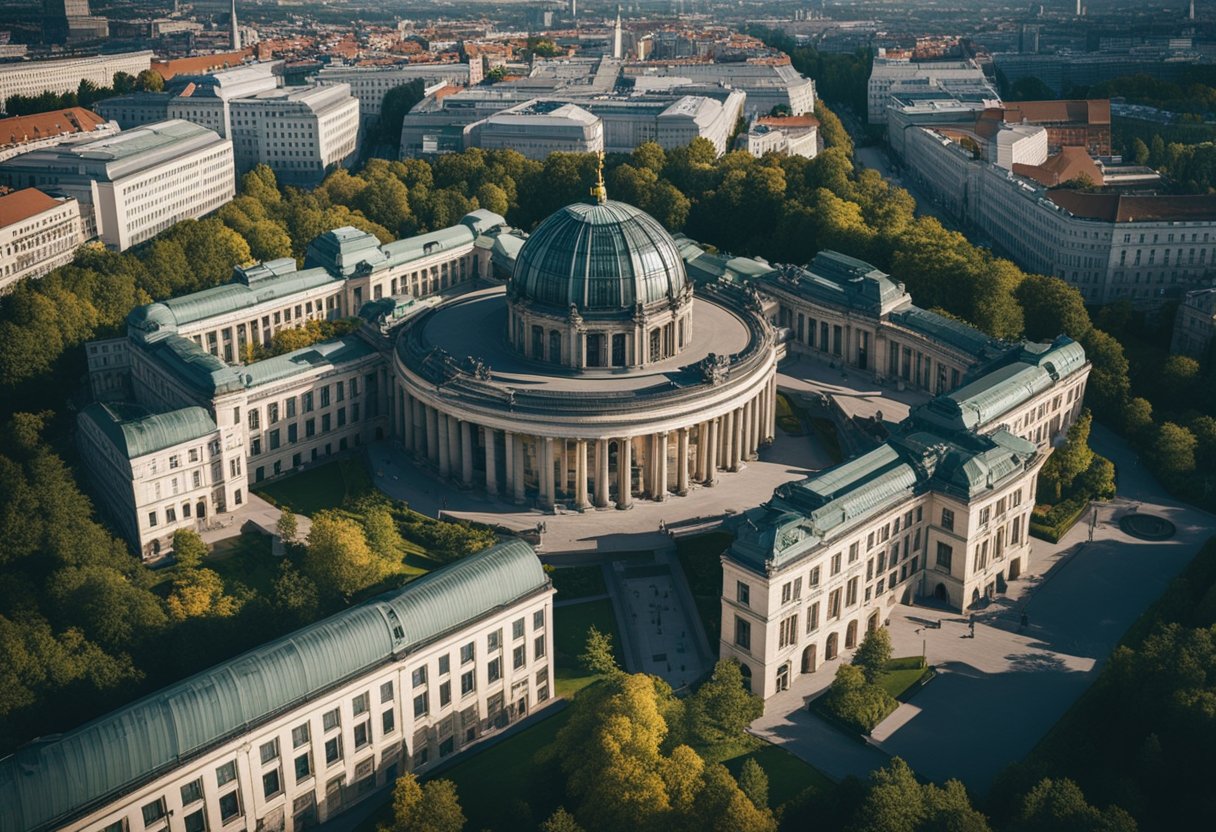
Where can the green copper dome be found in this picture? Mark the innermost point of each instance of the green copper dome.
(600, 258)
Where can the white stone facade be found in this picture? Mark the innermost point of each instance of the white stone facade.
(32, 78)
(369, 84)
(34, 245)
(300, 133)
(888, 73)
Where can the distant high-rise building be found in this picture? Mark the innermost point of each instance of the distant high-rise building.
(236, 33)
(65, 20)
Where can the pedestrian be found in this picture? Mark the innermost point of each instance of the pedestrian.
(971, 624)
(1025, 622)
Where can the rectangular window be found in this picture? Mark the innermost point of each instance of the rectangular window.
(836, 564)
(363, 734)
(985, 514)
(788, 633)
(494, 641)
(154, 811)
(333, 750)
(945, 555)
(271, 783)
(538, 647)
(519, 657)
(445, 694)
(517, 629)
(787, 592)
(538, 619)
(947, 519)
(299, 735)
(303, 767)
(152, 518)
(468, 683)
(387, 721)
(834, 604)
(420, 705)
(386, 691)
(418, 677)
(812, 617)
(743, 593)
(360, 704)
(192, 791)
(851, 595)
(230, 806)
(196, 821)
(331, 720)
(226, 773)
(813, 581)
(494, 670)
(743, 633)
(269, 751)
(468, 653)
(445, 665)
(853, 552)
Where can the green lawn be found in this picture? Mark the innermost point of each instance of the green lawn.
(788, 776)
(570, 625)
(326, 486)
(578, 582)
(700, 558)
(901, 674)
(492, 783)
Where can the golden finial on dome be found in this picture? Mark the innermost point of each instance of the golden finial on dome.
(600, 191)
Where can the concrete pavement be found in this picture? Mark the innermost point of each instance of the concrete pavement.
(997, 694)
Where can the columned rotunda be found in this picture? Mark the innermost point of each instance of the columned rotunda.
(589, 380)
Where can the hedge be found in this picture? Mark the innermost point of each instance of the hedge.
(1055, 523)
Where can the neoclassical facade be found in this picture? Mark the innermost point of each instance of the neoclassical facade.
(939, 511)
(304, 727)
(593, 378)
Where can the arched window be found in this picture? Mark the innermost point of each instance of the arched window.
(850, 636)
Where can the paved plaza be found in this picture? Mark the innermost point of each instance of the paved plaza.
(997, 694)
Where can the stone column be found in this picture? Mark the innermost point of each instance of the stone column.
(682, 462)
(771, 427)
(659, 490)
(407, 415)
(491, 463)
(736, 455)
(563, 480)
(466, 453)
(432, 435)
(547, 499)
(762, 420)
(624, 463)
(445, 447)
(745, 450)
(601, 473)
(508, 463)
(711, 453)
(519, 481)
(454, 443)
(419, 428)
(580, 475)
(727, 431)
(702, 449)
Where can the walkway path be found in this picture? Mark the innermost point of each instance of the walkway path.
(999, 693)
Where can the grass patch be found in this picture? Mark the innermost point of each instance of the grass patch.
(700, 558)
(902, 674)
(578, 582)
(493, 783)
(570, 625)
(788, 776)
(331, 485)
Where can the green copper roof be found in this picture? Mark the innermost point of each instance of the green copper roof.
(323, 355)
(600, 258)
(195, 366)
(46, 783)
(949, 331)
(137, 432)
(424, 245)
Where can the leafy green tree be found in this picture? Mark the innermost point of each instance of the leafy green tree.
(1051, 308)
(295, 594)
(873, 654)
(1060, 806)
(598, 655)
(199, 593)
(383, 537)
(113, 609)
(723, 807)
(722, 708)
(493, 198)
(1137, 416)
(385, 201)
(1173, 450)
(754, 783)
(1109, 384)
(149, 80)
(268, 240)
(856, 702)
(651, 156)
(1070, 460)
(262, 185)
(1139, 152)
(123, 83)
(338, 557)
(287, 526)
(561, 821)
(189, 550)
(897, 802)
(832, 130)
(396, 103)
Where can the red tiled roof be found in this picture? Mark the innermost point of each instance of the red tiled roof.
(789, 121)
(200, 63)
(1121, 208)
(22, 204)
(1070, 163)
(22, 129)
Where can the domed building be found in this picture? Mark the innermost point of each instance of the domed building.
(588, 380)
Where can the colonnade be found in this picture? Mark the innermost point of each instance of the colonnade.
(582, 472)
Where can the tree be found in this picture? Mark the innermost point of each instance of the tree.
(722, 708)
(1139, 152)
(493, 198)
(754, 783)
(1071, 459)
(286, 526)
(268, 240)
(856, 702)
(396, 103)
(598, 655)
(295, 594)
(1108, 385)
(434, 807)
(1137, 416)
(561, 821)
(261, 185)
(199, 593)
(383, 537)
(1060, 806)
(149, 80)
(873, 654)
(1052, 308)
(188, 549)
(338, 557)
(722, 806)
(385, 201)
(1173, 450)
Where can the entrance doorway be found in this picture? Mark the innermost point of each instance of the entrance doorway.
(831, 649)
(939, 592)
(783, 677)
(810, 658)
(850, 636)
(1015, 569)
(618, 350)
